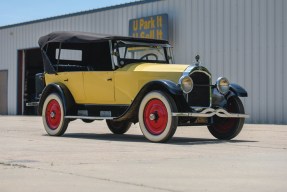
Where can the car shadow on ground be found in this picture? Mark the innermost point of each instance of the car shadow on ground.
(141, 138)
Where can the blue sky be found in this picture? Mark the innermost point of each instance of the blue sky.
(19, 11)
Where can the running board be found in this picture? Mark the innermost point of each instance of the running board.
(88, 117)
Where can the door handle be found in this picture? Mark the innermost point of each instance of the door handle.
(109, 79)
(66, 79)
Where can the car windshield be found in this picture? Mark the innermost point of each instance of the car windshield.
(132, 52)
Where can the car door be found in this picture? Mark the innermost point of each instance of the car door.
(99, 87)
(72, 80)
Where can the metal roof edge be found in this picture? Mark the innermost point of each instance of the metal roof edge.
(80, 13)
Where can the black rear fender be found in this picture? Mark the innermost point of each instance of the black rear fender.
(66, 96)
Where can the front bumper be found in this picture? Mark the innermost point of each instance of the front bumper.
(209, 112)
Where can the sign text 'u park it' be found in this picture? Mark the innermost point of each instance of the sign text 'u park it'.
(155, 27)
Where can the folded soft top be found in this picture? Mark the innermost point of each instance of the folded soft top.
(84, 37)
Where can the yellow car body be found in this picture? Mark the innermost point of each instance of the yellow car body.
(116, 87)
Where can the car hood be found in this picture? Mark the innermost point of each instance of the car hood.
(154, 67)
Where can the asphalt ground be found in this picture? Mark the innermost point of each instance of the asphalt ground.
(89, 158)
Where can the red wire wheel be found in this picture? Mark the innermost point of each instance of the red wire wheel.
(228, 128)
(226, 124)
(155, 116)
(53, 114)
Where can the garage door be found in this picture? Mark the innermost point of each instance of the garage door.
(3, 92)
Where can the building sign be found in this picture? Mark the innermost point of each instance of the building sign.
(155, 27)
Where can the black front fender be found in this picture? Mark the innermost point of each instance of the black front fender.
(238, 90)
(162, 85)
(219, 99)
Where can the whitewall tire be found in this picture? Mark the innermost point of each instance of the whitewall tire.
(155, 116)
(53, 115)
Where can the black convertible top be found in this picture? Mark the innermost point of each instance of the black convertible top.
(84, 37)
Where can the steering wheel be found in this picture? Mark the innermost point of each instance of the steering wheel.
(149, 54)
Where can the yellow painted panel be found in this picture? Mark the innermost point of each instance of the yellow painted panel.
(72, 80)
(130, 79)
(99, 87)
(154, 67)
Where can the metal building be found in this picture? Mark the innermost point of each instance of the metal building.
(244, 40)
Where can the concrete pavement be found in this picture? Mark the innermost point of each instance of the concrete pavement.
(89, 158)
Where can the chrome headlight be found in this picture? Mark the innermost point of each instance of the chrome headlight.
(222, 85)
(186, 84)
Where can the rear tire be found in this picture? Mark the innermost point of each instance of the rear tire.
(88, 120)
(155, 116)
(228, 128)
(53, 115)
(118, 127)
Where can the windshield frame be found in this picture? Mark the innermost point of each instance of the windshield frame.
(120, 62)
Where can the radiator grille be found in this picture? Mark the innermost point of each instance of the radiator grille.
(200, 95)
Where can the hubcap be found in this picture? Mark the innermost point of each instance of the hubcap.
(152, 117)
(53, 114)
(155, 116)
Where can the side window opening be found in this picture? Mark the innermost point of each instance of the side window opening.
(80, 56)
(69, 60)
(99, 57)
(69, 54)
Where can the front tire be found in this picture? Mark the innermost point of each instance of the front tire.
(155, 116)
(118, 127)
(53, 115)
(228, 128)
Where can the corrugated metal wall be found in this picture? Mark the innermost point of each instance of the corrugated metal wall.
(244, 40)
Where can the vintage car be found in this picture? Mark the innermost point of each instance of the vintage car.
(126, 80)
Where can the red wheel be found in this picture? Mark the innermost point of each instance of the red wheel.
(228, 128)
(155, 116)
(53, 115)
